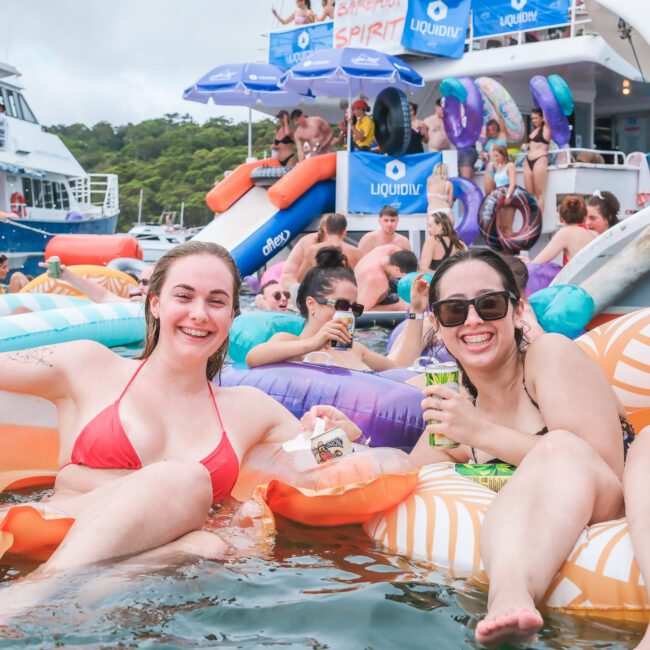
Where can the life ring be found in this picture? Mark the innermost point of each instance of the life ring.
(471, 196)
(392, 122)
(522, 201)
(116, 281)
(462, 111)
(504, 105)
(544, 98)
(17, 204)
(440, 522)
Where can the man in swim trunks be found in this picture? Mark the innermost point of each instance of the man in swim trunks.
(374, 274)
(313, 131)
(438, 140)
(272, 297)
(388, 220)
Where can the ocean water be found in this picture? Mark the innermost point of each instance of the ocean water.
(315, 588)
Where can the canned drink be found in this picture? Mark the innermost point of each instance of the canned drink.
(347, 319)
(330, 444)
(442, 374)
(493, 475)
(54, 266)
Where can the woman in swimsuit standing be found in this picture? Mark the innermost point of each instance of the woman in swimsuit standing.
(302, 16)
(283, 146)
(440, 192)
(443, 241)
(127, 451)
(501, 173)
(536, 162)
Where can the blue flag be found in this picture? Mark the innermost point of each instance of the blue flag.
(501, 16)
(291, 47)
(400, 181)
(437, 26)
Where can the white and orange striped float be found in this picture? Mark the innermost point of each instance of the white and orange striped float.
(116, 281)
(440, 522)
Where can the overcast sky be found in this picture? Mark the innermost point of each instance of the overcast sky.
(127, 60)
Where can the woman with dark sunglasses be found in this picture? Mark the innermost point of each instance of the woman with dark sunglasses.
(546, 408)
(327, 288)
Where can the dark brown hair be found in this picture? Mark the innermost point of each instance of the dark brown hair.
(158, 278)
(572, 209)
(388, 211)
(607, 204)
(448, 230)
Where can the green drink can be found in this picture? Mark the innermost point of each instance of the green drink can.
(442, 374)
(54, 267)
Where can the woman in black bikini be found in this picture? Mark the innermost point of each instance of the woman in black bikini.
(284, 145)
(536, 163)
(443, 242)
(546, 408)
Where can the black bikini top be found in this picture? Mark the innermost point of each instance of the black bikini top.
(286, 140)
(539, 135)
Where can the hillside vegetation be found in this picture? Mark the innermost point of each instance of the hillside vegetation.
(172, 158)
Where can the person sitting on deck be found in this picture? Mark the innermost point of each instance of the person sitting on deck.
(386, 234)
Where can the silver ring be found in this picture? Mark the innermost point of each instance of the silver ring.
(438, 405)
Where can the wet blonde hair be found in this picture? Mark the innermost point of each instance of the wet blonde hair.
(158, 279)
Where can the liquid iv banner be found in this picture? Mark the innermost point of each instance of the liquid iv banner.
(291, 47)
(400, 181)
(500, 16)
(437, 27)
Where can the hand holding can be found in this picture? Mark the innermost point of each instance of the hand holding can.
(442, 374)
(54, 267)
(348, 320)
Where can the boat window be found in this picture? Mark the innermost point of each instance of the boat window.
(65, 199)
(26, 110)
(56, 196)
(27, 192)
(37, 188)
(11, 103)
(48, 201)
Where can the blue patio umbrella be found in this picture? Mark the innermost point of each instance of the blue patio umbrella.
(243, 84)
(348, 72)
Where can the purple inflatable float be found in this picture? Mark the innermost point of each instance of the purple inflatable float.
(471, 196)
(462, 111)
(387, 411)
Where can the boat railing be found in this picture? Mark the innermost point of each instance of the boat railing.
(96, 194)
(580, 157)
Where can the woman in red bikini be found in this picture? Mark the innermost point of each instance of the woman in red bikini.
(147, 446)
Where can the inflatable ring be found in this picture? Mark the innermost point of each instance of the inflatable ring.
(265, 176)
(562, 93)
(463, 118)
(129, 265)
(540, 276)
(471, 196)
(522, 201)
(405, 283)
(273, 272)
(563, 309)
(489, 113)
(116, 281)
(386, 411)
(504, 105)
(17, 204)
(10, 302)
(544, 99)
(392, 122)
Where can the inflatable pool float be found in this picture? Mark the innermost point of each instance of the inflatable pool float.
(470, 195)
(127, 265)
(462, 111)
(110, 324)
(440, 522)
(273, 272)
(562, 93)
(9, 302)
(387, 412)
(544, 99)
(540, 276)
(563, 309)
(526, 204)
(392, 119)
(504, 105)
(92, 249)
(116, 281)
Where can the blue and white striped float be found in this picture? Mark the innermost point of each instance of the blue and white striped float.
(110, 324)
(9, 302)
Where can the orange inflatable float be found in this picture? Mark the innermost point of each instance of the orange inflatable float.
(116, 281)
(235, 185)
(92, 249)
(303, 176)
(440, 522)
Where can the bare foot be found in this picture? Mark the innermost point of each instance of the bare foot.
(519, 626)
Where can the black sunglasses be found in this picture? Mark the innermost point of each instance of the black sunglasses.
(489, 306)
(342, 304)
(278, 294)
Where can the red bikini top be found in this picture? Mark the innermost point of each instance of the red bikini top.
(103, 444)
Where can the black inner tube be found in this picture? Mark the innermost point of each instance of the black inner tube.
(392, 122)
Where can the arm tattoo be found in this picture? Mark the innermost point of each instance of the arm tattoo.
(33, 356)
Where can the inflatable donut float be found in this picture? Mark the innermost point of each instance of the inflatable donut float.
(273, 272)
(522, 201)
(440, 522)
(562, 93)
(462, 111)
(544, 98)
(392, 119)
(499, 98)
(116, 281)
(27, 302)
(470, 195)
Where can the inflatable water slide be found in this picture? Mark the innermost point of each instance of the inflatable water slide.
(254, 222)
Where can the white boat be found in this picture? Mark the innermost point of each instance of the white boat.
(44, 191)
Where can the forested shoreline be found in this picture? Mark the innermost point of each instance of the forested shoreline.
(172, 158)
